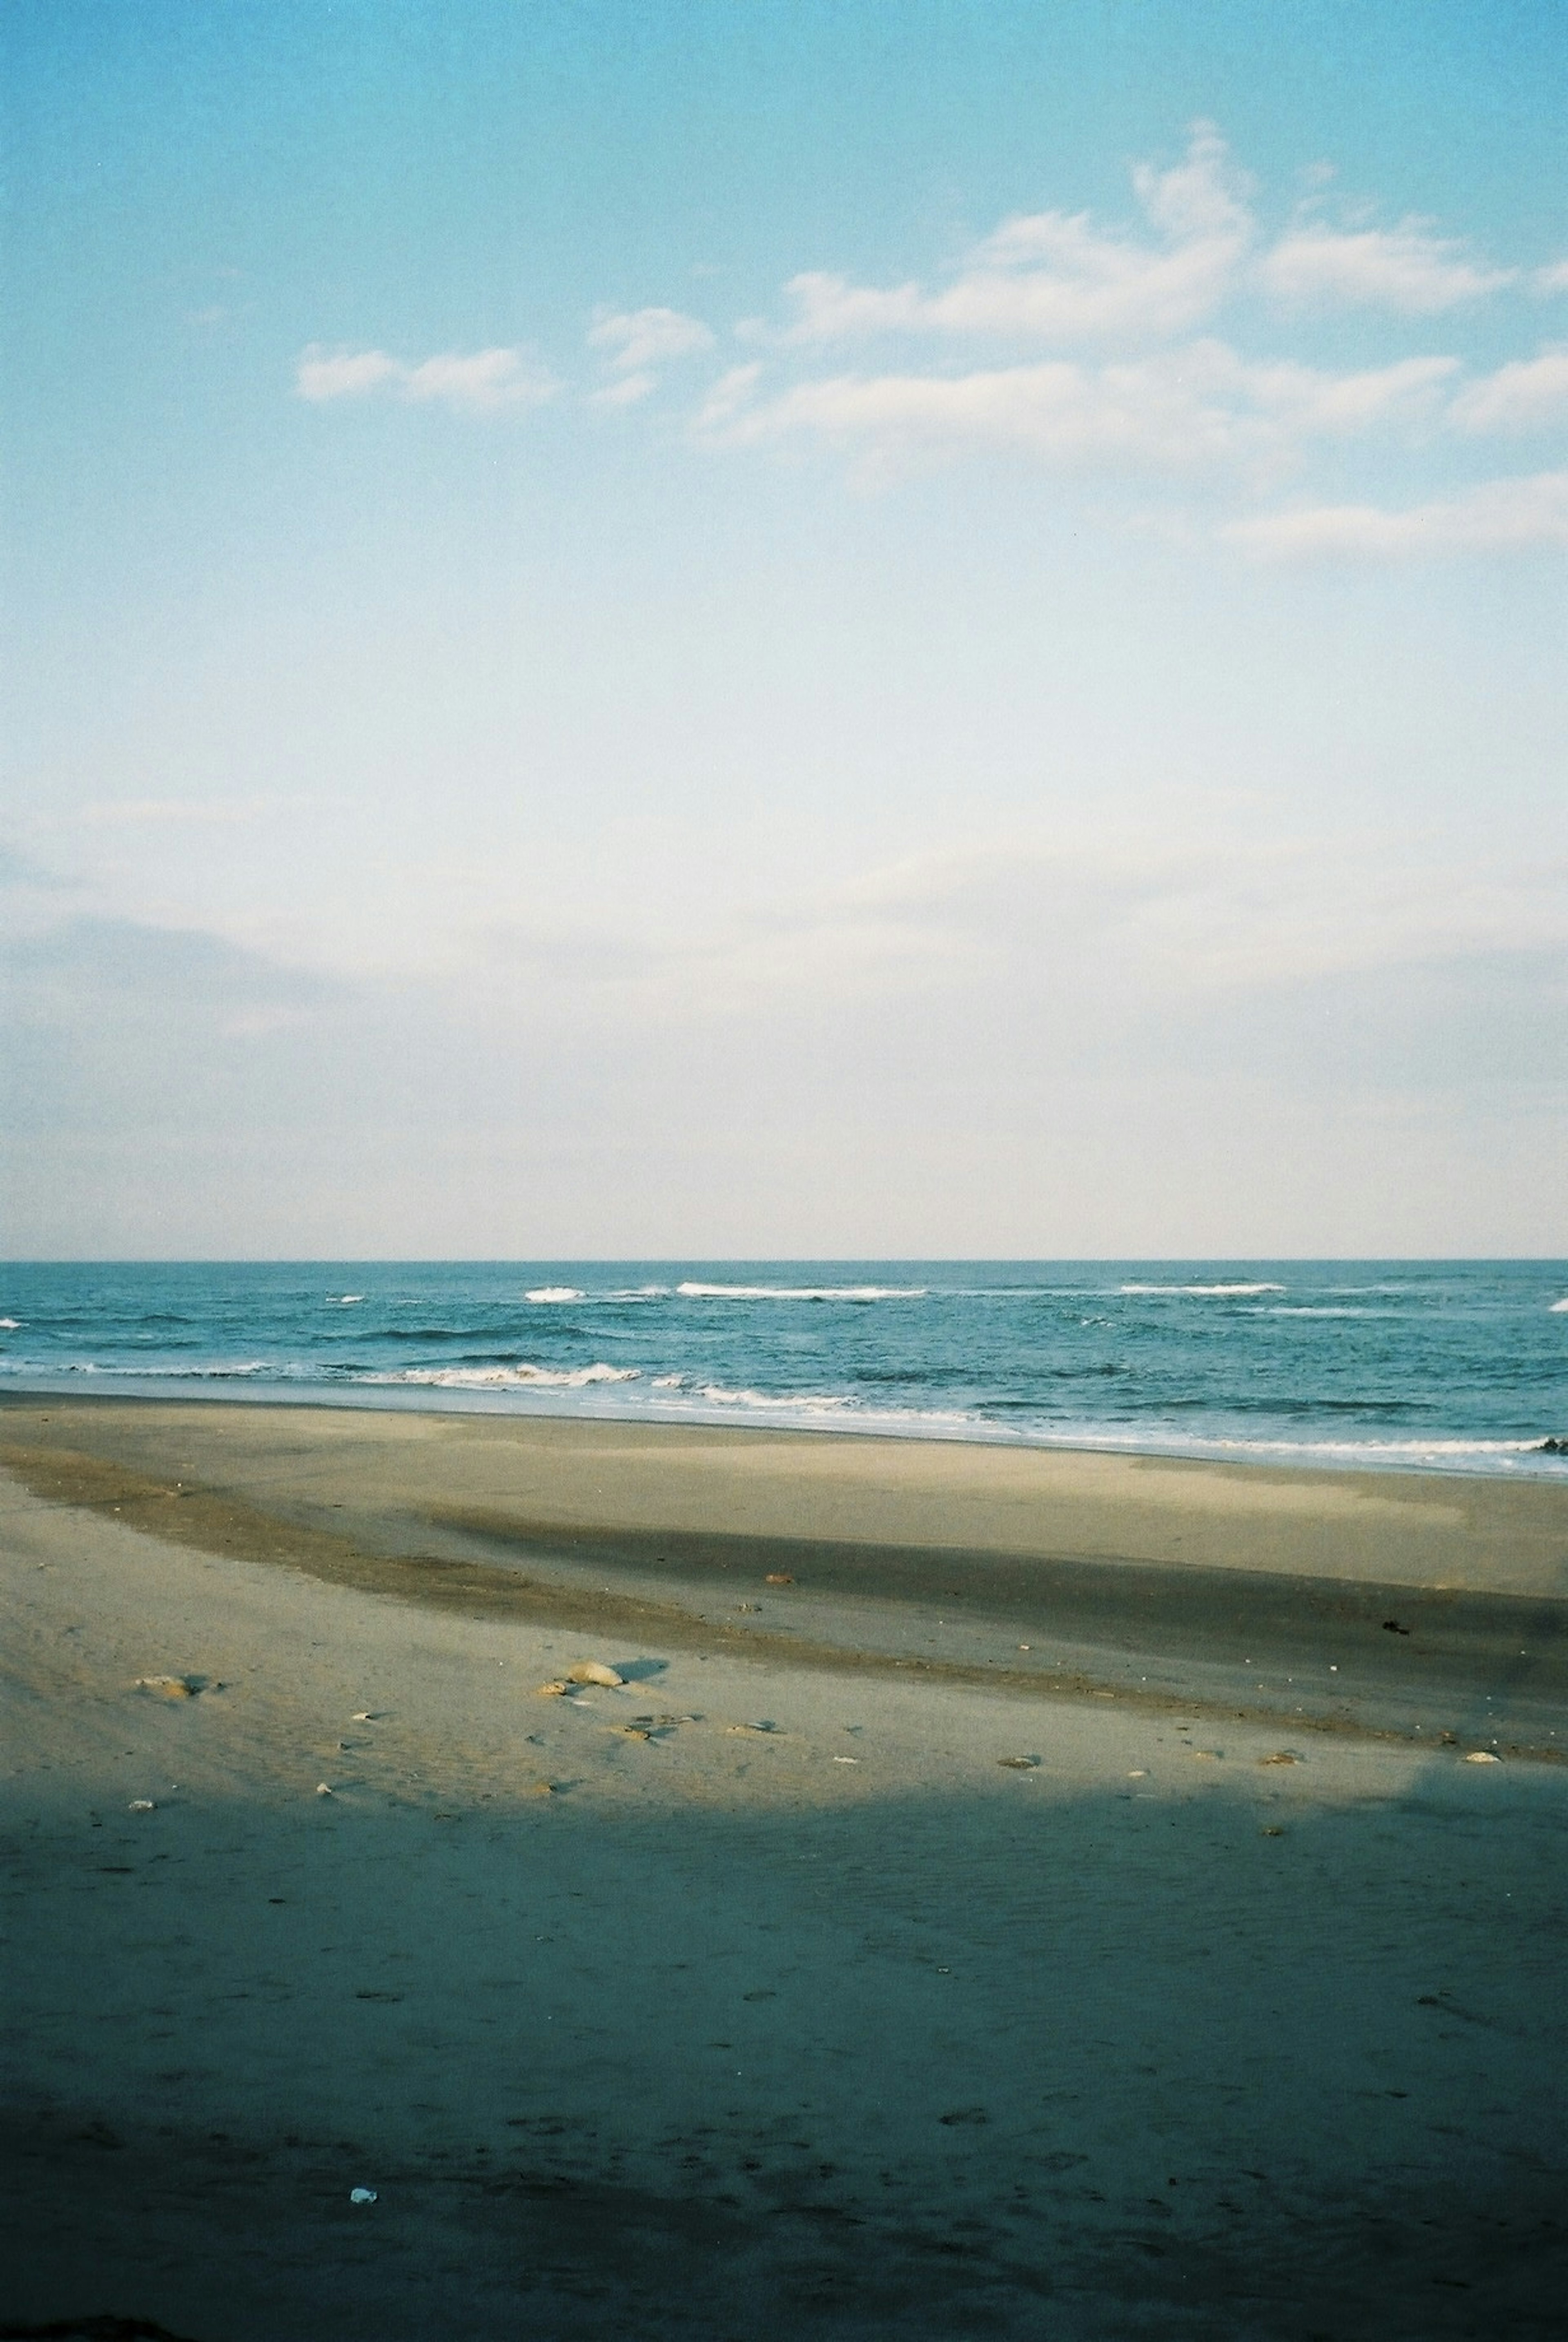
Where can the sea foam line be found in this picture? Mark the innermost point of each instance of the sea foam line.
(693, 1291)
(1237, 1292)
(519, 1377)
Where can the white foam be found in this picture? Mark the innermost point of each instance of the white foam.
(1146, 1438)
(521, 1377)
(666, 1382)
(693, 1291)
(13, 1325)
(554, 1293)
(1559, 1308)
(797, 1403)
(1226, 1291)
(1336, 1309)
(347, 1300)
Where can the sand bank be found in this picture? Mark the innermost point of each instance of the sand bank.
(760, 1996)
(1420, 1605)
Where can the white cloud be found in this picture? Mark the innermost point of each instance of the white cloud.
(1058, 411)
(1553, 279)
(626, 390)
(1405, 268)
(636, 339)
(345, 374)
(1529, 394)
(1054, 276)
(490, 378)
(1493, 516)
(1180, 411)
(482, 381)
(1339, 405)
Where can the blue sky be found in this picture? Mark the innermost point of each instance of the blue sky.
(829, 628)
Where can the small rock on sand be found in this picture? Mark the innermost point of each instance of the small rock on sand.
(1482, 1756)
(324, 1788)
(1280, 1756)
(1017, 1765)
(141, 1806)
(555, 1690)
(594, 1671)
(778, 1578)
(171, 1687)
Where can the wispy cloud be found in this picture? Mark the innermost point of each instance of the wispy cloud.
(483, 382)
(1187, 410)
(1054, 277)
(1059, 277)
(636, 342)
(1492, 516)
(635, 338)
(1136, 381)
(1408, 269)
(343, 373)
(1530, 395)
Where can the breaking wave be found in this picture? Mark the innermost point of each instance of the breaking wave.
(692, 1291)
(522, 1377)
(1222, 1291)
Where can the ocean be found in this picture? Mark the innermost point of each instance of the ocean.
(1459, 1366)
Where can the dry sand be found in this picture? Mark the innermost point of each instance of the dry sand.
(761, 1996)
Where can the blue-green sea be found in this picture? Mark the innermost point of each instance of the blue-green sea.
(1455, 1365)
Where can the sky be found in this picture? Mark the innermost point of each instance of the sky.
(643, 628)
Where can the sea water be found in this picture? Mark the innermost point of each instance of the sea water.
(1455, 1364)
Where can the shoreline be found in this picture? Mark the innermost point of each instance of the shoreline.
(1421, 1459)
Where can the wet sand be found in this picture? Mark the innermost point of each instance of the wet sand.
(763, 1994)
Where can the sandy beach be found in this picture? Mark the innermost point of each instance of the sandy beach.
(1007, 1892)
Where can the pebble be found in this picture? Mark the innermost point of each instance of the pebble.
(1019, 1764)
(141, 1806)
(594, 1671)
(1482, 1756)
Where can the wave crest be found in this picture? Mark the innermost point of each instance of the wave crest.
(521, 1377)
(693, 1291)
(1225, 1292)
